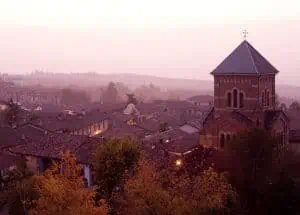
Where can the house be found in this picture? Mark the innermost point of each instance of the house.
(244, 98)
(40, 153)
(201, 100)
(10, 137)
(172, 142)
(89, 124)
(8, 162)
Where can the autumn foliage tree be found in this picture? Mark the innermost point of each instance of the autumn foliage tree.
(150, 191)
(61, 191)
(112, 161)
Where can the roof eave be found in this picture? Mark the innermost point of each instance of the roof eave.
(241, 74)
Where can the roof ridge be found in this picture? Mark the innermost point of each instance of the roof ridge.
(252, 59)
(265, 59)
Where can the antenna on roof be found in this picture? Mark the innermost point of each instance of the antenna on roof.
(245, 34)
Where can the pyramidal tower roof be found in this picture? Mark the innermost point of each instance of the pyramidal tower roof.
(245, 60)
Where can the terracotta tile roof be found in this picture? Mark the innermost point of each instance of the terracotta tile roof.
(245, 60)
(8, 160)
(51, 145)
(10, 137)
(201, 98)
(87, 150)
(174, 141)
(294, 118)
(55, 122)
(242, 118)
(150, 125)
(124, 131)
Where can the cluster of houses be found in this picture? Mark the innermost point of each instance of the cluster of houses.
(30, 97)
(161, 127)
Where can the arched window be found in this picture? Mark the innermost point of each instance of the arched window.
(241, 99)
(262, 98)
(268, 98)
(227, 138)
(222, 140)
(229, 99)
(235, 95)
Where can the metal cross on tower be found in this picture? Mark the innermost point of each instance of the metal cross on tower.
(245, 34)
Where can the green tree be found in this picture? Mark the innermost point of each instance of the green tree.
(20, 193)
(112, 161)
(12, 113)
(110, 94)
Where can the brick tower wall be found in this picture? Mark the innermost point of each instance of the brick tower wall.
(249, 85)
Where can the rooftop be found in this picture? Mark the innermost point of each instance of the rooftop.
(245, 60)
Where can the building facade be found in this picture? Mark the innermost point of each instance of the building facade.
(244, 98)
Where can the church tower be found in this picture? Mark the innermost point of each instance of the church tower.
(244, 98)
(244, 81)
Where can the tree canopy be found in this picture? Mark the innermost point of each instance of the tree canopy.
(61, 190)
(112, 161)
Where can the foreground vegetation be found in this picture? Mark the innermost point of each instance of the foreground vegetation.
(253, 175)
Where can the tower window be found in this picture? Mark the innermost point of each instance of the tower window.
(268, 98)
(229, 99)
(227, 138)
(235, 95)
(222, 140)
(262, 98)
(241, 100)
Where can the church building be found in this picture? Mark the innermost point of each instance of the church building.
(244, 98)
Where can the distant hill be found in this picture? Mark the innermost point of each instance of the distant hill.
(83, 80)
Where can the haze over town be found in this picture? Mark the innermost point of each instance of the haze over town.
(166, 39)
(149, 107)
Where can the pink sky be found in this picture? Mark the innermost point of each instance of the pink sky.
(164, 39)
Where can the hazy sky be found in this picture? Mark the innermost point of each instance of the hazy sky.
(157, 37)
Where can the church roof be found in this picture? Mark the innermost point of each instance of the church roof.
(245, 60)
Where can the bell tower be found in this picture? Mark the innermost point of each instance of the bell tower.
(244, 81)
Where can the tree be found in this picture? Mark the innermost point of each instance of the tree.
(254, 161)
(295, 106)
(144, 194)
(19, 195)
(151, 191)
(131, 99)
(61, 191)
(73, 97)
(110, 95)
(277, 101)
(12, 113)
(112, 161)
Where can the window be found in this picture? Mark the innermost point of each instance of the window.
(262, 98)
(235, 95)
(229, 99)
(227, 138)
(241, 100)
(268, 98)
(222, 140)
